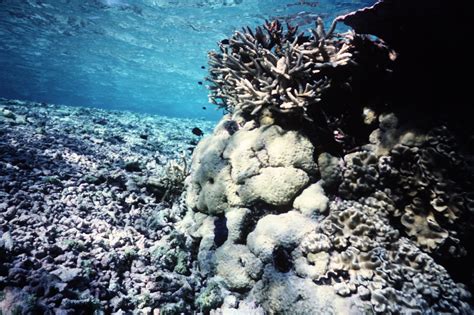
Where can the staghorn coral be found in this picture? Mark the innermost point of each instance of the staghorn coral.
(275, 68)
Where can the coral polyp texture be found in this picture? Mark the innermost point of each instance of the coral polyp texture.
(276, 68)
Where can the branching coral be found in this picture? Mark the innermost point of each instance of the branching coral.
(275, 68)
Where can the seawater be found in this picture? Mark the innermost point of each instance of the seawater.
(141, 55)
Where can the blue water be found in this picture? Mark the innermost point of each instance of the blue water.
(140, 55)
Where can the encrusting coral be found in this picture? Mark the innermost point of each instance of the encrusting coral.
(428, 179)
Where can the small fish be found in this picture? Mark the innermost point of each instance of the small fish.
(204, 107)
(200, 82)
(197, 132)
(202, 67)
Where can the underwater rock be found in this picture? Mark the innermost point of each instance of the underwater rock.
(8, 113)
(67, 274)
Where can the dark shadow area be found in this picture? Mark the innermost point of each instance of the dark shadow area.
(433, 62)
(430, 81)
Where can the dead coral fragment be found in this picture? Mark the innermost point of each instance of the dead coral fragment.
(275, 68)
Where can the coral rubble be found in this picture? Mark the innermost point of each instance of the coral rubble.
(83, 224)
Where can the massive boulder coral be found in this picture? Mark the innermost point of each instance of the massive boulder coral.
(264, 164)
(238, 266)
(312, 201)
(286, 293)
(275, 233)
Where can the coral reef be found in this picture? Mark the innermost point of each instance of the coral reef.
(355, 208)
(426, 176)
(317, 192)
(365, 230)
